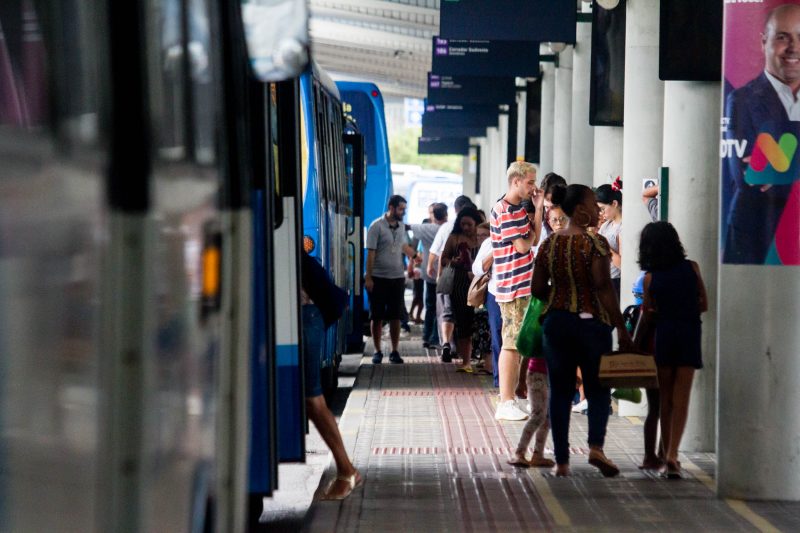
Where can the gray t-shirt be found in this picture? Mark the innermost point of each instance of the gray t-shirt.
(425, 233)
(388, 245)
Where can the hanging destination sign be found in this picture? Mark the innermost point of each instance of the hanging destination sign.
(485, 58)
(443, 146)
(444, 89)
(460, 115)
(509, 20)
(448, 131)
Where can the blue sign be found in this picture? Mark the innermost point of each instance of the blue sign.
(444, 89)
(509, 20)
(447, 131)
(482, 116)
(485, 58)
(443, 146)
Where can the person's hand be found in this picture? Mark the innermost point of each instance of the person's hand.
(538, 198)
(417, 259)
(368, 283)
(625, 341)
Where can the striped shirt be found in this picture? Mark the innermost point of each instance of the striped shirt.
(512, 270)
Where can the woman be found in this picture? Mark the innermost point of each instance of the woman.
(609, 201)
(481, 335)
(459, 251)
(674, 298)
(572, 275)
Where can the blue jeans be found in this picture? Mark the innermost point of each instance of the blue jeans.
(571, 342)
(430, 330)
(496, 329)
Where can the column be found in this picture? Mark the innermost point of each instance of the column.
(562, 121)
(691, 152)
(607, 154)
(522, 121)
(582, 145)
(491, 175)
(548, 117)
(484, 199)
(643, 132)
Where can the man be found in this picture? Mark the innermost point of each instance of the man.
(426, 233)
(444, 313)
(765, 104)
(515, 231)
(385, 279)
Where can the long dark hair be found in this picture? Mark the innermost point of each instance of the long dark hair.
(568, 198)
(606, 194)
(660, 247)
(467, 212)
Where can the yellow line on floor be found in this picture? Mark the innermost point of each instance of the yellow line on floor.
(739, 506)
(635, 420)
(560, 516)
(758, 521)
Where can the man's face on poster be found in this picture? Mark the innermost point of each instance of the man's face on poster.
(781, 44)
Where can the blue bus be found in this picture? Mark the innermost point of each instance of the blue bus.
(363, 107)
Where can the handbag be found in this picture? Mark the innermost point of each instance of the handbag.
(628, 370)
(444, 285)
(529, 340)
(476, 295)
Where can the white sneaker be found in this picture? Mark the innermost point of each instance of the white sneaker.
(523, 405)
(581, 406)
(508, 410)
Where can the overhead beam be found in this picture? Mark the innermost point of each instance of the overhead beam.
(381, 5)
(334, 31)
(324, 12)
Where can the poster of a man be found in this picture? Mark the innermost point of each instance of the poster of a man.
(761, 126)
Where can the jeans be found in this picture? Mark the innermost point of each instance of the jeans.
(430, 330)
(570, 342)
(496, 329)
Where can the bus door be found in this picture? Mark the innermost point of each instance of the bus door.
(355, 167)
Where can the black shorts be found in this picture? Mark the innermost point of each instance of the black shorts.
(387, 299)
(419, 289)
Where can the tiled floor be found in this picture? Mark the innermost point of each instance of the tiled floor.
(434, 459)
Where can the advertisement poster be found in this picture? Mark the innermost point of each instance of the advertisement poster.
(760, 129)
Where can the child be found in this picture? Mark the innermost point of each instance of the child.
(674, 298)
(539, 421)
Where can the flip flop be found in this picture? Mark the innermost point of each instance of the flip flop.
(353, 481)
(466, 369)
(519, 462)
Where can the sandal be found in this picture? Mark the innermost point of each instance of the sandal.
(519, 461)
(353, 482)
(540, 461)
(466, 369)
(598, 459)
(651, 463)
(671, 470)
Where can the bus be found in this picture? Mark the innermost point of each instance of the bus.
(363, 107)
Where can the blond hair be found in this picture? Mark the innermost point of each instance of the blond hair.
(519, 169)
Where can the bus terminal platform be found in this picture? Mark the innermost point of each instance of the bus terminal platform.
(434, 459)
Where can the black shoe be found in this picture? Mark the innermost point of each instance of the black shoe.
(395, 358)
(406, 328)
(446, 358)
(377, 358)
(426, 345)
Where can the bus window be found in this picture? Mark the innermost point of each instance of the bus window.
(359, 107)
(202, 86)
(277, 37)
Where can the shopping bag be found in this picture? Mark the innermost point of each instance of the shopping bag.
(529, 340)
(628, 370)
(444, 285)
(629, 395)
(476, 296)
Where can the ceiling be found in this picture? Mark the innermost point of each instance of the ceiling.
(384, 41)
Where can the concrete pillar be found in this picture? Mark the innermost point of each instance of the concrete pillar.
(582, 145)
(548, 117)
(643, 132)
(482, 200)
(492, 172)
(468, 174)
(562, 121)
(691, 148)
(522, 122)
(607, 154)
(502, 127)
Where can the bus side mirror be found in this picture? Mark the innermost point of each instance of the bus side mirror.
(277, 37)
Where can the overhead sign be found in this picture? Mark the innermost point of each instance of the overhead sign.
(460, 115)
(443, 146)
(448, 131)
(413, 108)
(470, 89)
(509, 20)
(485, 58)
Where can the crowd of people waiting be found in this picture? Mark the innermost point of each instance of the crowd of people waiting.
(561, 245)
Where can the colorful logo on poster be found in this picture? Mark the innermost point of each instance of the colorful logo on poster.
(772, 163)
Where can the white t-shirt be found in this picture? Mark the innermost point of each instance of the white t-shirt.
(477, 266)
(441, 237)
(611, 230)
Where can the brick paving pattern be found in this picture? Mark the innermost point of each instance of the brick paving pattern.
(434, 459)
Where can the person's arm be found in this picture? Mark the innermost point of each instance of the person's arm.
(368, 283)
(701, 289)
(410, 252)
(540, 287)
(487, 263)
(538, 216)
(448, 252)
(648, 314)
(601, 279)
(616, 257)
(649, 193)
(433, 259)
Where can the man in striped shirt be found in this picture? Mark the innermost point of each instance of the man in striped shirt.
(516, 224)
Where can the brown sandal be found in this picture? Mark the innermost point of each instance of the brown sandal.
(353, 482)
(598, 459)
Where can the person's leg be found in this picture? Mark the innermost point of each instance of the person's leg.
(559, 352)
(538, 398)
(681, 393)
(377, 303)
(666, 383)
(512, 313)
(651, 456)
(496, 331)
(429, 327)
(464, 347)
(531, 425)
(325, 423)
(521, 390)
(377, 331)
(396, 309)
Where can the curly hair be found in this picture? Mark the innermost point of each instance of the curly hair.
(467, 212)
(660, 247)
